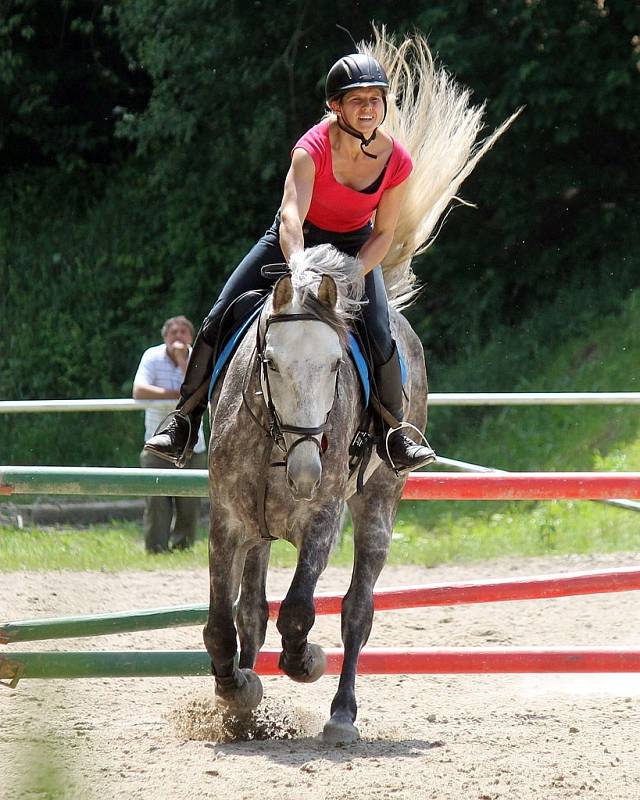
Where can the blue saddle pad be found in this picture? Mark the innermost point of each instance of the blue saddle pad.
(230, 346)
(354, 350)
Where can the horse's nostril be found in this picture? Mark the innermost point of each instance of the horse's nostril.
(303, 487)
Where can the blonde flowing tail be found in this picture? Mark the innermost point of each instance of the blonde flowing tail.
(433, 117)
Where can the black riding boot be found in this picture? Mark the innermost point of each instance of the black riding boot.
(176, 437)
(403, 453)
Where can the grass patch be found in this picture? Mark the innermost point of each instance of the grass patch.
(457, 532)
(507, 529)
(115, 547)
(48, 766)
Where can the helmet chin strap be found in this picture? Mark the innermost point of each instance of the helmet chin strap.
(364, 142)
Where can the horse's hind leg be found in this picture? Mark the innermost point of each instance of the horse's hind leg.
(253, 609)
(373, 514)
(236, 689)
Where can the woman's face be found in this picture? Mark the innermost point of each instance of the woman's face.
(362, 109)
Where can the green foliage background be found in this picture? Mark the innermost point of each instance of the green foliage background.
(143, 146)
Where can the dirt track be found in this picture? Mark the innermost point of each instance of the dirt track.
(444, 737)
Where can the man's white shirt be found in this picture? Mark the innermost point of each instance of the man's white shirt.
(157, 369)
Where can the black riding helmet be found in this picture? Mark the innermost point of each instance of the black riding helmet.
(353, 72)
(356, 71)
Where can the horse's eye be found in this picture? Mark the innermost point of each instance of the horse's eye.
(272, 365)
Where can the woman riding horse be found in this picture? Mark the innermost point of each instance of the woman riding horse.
(345, 187)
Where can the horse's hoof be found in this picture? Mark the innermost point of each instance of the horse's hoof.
(246, 696)
(340, 730)
(314, 665)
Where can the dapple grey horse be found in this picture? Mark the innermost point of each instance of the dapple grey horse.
(291, 380)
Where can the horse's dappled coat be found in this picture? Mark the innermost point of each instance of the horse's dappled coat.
(305, 352)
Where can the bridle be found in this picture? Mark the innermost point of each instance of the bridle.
(275, 427)
(306, 434)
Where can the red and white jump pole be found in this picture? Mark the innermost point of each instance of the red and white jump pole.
(522, 486)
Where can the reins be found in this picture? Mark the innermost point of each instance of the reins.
(306, 434)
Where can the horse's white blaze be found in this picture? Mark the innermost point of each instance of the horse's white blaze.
(303, 358)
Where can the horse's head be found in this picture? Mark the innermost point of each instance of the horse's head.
(303, 336)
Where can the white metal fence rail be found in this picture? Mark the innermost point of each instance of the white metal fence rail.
(435, 399)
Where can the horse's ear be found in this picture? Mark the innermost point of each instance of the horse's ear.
(328, 292)
(282, 294)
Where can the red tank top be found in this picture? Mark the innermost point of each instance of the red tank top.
(335, 207)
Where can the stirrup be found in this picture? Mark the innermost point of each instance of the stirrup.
(184, 457)
(399, 471)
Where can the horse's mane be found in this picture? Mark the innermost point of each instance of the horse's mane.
(308, 267)
(432, 115)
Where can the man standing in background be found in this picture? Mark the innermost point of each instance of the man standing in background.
(159, 377)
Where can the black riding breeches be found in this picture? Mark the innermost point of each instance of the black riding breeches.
(247, 276)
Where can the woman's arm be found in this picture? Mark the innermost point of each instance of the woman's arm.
(146, 391)
(298, 188)
(377, 245)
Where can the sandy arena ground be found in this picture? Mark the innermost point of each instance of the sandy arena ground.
(444, 737)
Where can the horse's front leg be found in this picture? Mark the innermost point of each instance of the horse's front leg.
(300, 660)
(373, 514)
(236, 689)
(253, 608)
